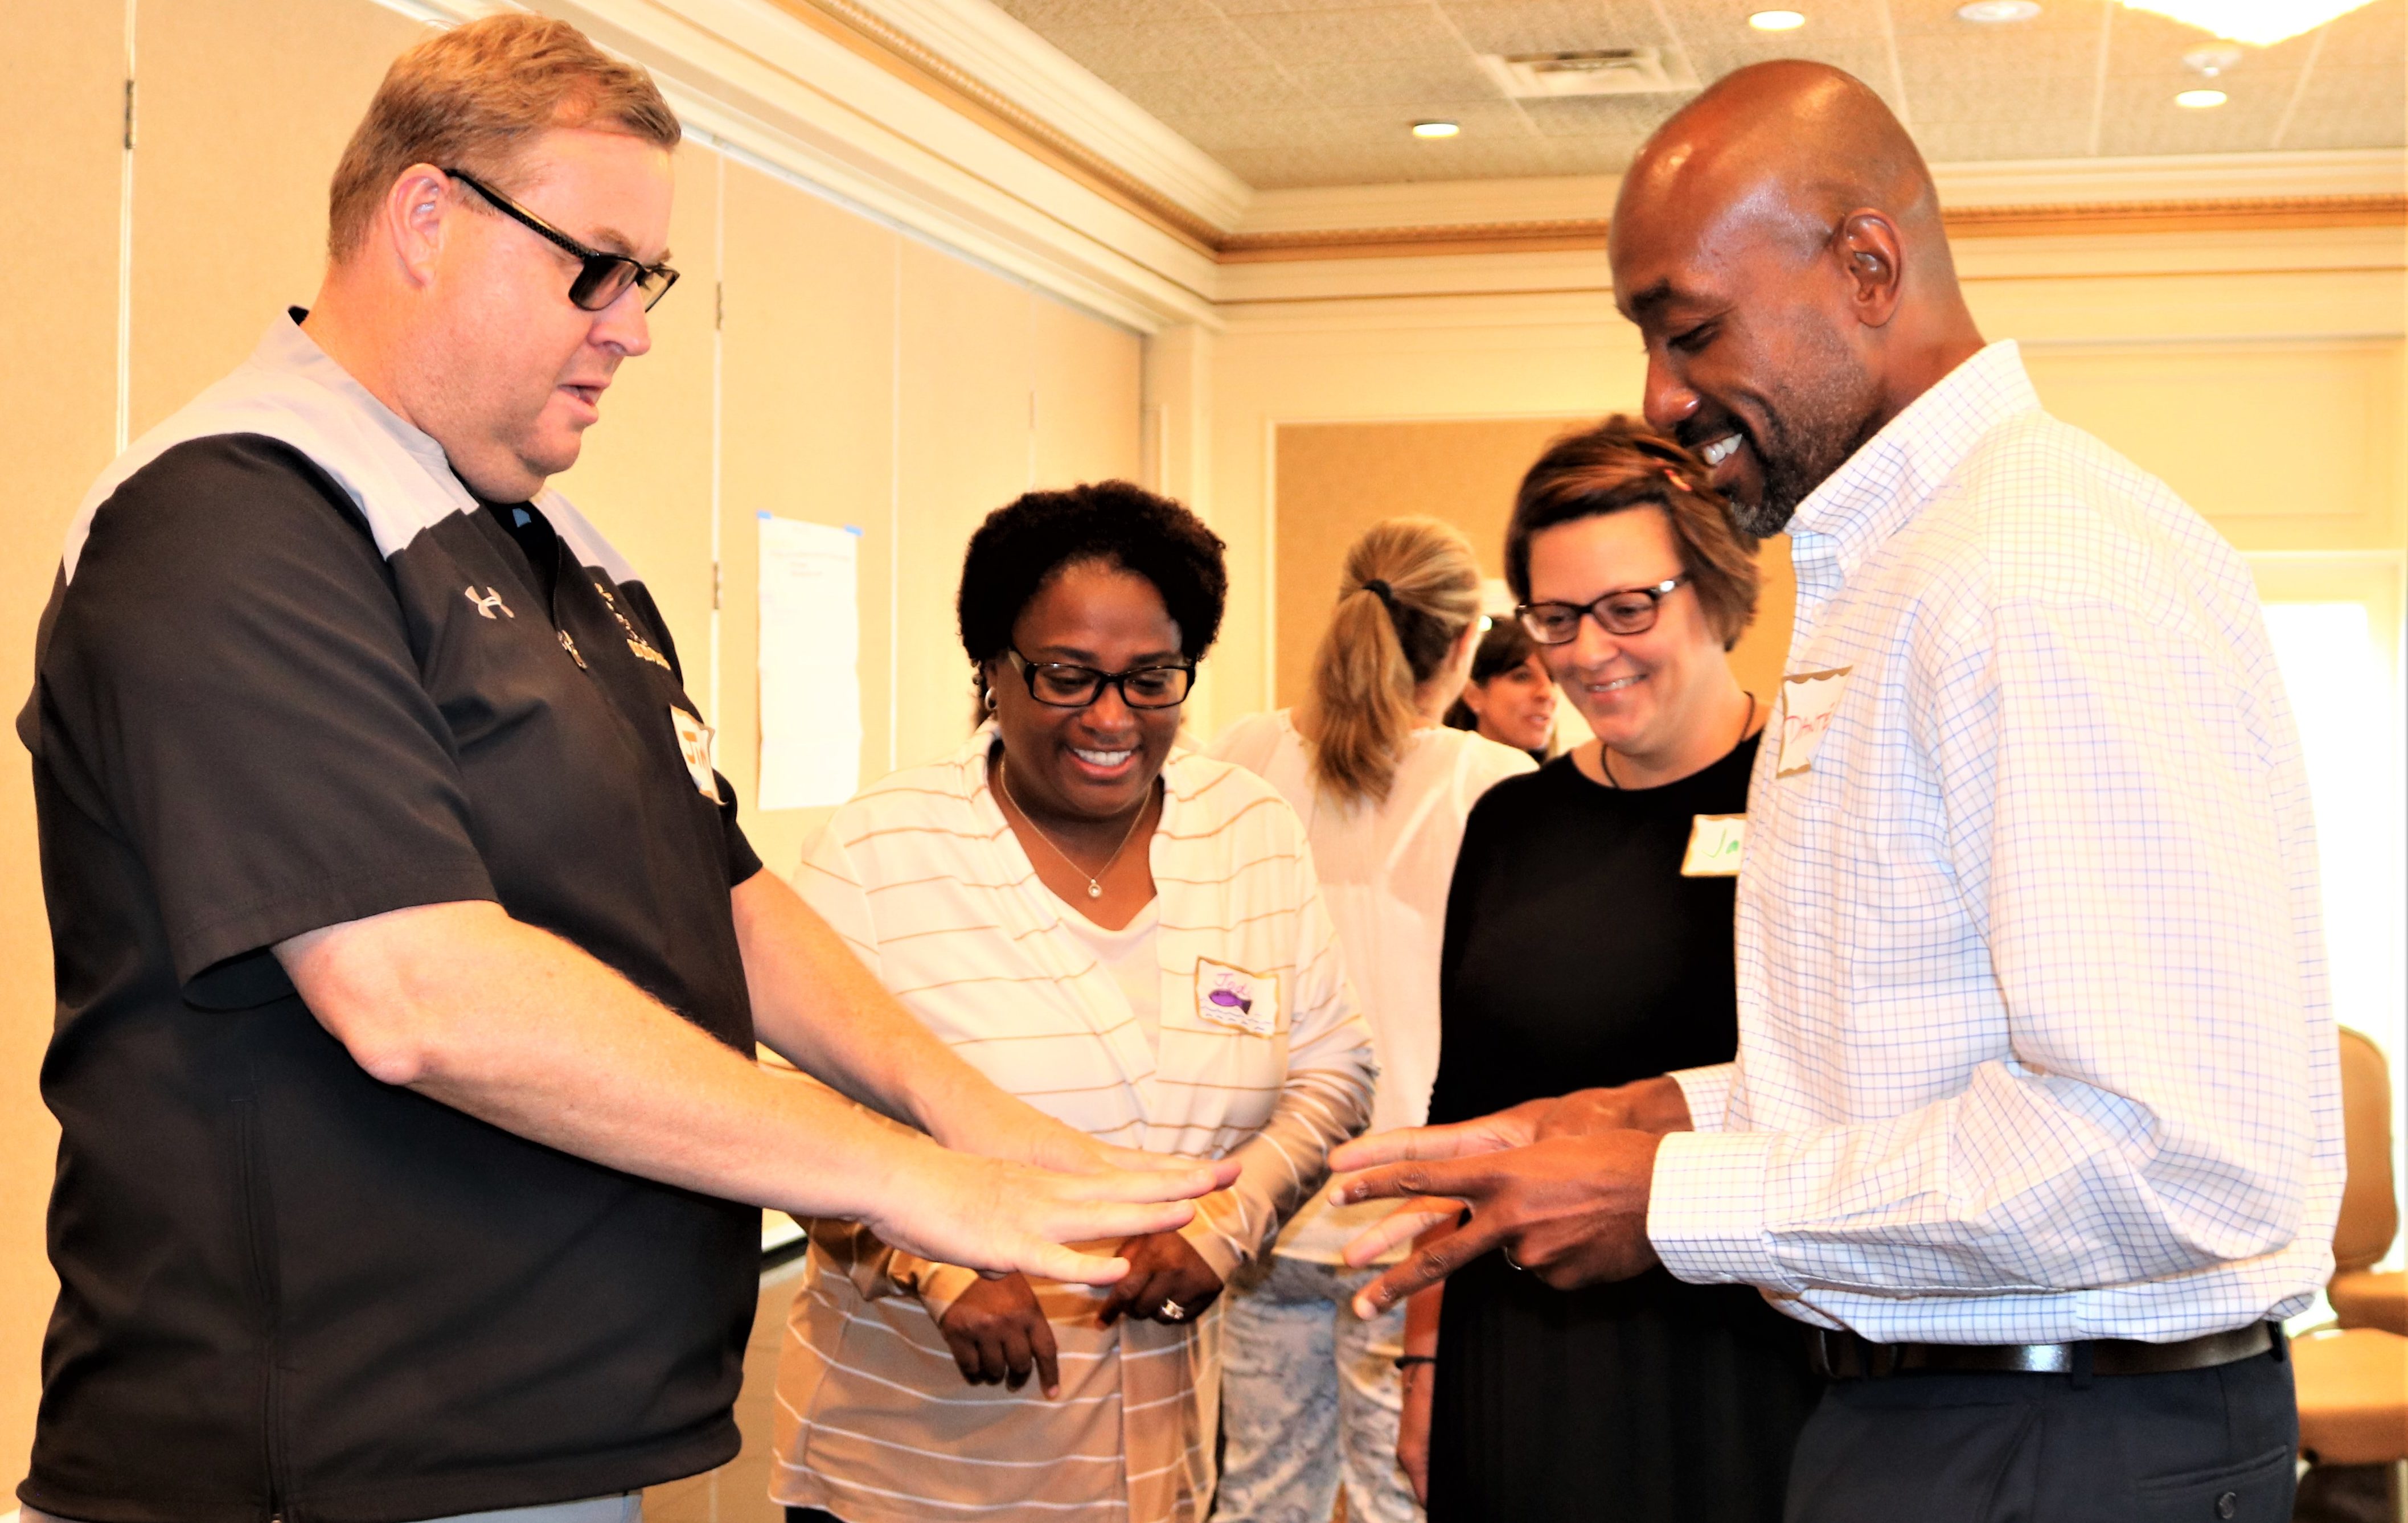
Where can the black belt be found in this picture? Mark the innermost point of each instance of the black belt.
(1843, 1356)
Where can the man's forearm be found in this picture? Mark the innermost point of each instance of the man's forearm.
(520, 1028)
(814, 1004)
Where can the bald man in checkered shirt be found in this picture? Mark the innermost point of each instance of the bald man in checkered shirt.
(2035, 1121)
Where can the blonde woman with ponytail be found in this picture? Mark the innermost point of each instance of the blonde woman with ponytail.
(1310, 1392)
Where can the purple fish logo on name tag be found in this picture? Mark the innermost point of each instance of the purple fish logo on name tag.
(1234, 997)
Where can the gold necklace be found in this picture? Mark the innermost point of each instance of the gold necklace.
(1095, 887)
(1605, 753)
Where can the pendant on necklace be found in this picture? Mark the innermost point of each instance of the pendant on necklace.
(1095, 890)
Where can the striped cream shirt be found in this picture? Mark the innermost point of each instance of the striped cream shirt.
(1262, 1056)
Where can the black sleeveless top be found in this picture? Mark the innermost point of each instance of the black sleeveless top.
(1577, 955)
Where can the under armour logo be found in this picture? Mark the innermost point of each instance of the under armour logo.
(486, 604)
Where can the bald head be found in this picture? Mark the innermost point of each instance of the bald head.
(1779, 243)
(1788, 146)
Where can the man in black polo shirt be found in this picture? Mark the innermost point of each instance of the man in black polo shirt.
(409, 957)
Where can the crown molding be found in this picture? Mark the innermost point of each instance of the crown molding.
(1276, 215)
(1032, 77)
(2254, 214)
(2189, 177)
(2083, 218)
(800, 93)
(1043, 176)
(1363, 218)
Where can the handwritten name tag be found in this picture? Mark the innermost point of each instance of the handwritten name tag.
(1806, 701)
(694, 744)
(1715, 841)
(1235, 999)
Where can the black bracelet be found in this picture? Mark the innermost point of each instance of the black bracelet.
(1406, 1361)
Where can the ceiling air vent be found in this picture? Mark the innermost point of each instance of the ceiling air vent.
(1598, 71)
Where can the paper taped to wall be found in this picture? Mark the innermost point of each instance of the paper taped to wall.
(809, 663)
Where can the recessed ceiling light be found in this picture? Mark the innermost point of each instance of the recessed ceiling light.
(1435, 129)
(1993, 13)
(2264, 22)
(2200, 100)
(1777, 20)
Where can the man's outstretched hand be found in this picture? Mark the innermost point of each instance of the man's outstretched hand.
(996, 1217)
(1019, 1132)
(1571, 1209)
(1559, 1183)
(1656, 1106)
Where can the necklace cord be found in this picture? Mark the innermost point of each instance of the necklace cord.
(1605, 753)
(1094, 880)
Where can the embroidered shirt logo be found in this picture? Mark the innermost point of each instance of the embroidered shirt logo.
(486, 604)
(1236, 998)
(635, 641)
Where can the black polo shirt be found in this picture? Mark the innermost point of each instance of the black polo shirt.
(287, 1289)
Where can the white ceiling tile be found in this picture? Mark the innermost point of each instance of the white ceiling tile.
(1299, 93)
(1388, 34)
(1044, 16)
(1414, 89)
(1546, 26)
(1218, 92)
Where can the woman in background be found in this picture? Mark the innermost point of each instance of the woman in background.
(1132, 943)
(1511, 699)
(1311, 1390)
(1588, 942)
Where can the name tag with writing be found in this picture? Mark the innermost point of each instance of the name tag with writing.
(1806, 701)
(1236, 998)
(694, 744)
(1715, 841)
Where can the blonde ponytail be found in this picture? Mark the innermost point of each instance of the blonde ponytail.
(1411, 587)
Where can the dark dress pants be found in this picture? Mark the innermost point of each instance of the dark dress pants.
(2192, 1446)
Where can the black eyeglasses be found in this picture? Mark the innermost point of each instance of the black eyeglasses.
(1629, 611)
(604, 277)
(1060, 684)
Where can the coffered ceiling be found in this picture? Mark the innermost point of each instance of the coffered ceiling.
(1291, 93)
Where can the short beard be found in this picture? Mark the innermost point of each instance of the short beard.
(1825, 414)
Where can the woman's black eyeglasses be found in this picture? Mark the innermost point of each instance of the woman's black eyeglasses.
(1629, 611)
(604, 277)
(1059, 685)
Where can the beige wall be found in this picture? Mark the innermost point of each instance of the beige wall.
(2260, 373)
(1334, 481)
(60, 113)
(861, 378)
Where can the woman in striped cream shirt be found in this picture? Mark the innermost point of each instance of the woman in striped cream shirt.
(1132, 943)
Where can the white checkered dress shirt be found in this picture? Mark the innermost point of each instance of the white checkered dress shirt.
(2034, 1038)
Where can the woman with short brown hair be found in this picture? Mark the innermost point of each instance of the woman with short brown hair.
(1588, 942)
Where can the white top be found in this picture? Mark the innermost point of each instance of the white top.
(1384, 873)
(2034, 1040)
(1258, 1056)
(1127, 953)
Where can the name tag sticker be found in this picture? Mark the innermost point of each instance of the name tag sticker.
(1806, 701)
(1715, 841)
(1235, 999)
(694, 740)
